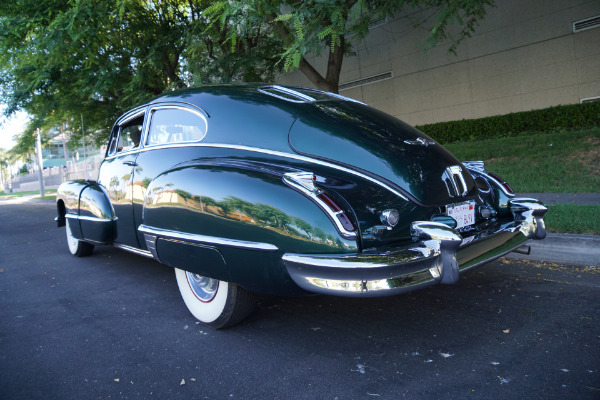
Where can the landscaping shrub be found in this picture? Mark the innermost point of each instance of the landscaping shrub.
(565, 117)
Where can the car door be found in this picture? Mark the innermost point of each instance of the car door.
(117, 174)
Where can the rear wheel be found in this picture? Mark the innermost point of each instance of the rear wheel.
(78, 247)
(215, 303)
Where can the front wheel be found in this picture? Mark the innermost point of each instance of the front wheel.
(78, 247)
(215, 303)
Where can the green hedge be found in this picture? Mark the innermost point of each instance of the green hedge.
(572, 116)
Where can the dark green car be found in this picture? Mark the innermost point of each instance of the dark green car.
(288, 191)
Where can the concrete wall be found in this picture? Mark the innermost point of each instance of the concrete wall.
(523, 56)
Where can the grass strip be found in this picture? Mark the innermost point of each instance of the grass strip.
(561, 162)
(21, 194)
(573, 218)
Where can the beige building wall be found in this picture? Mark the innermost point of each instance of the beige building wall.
(523, 56)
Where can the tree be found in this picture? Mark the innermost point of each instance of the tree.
(308, 27)
(72, 58)
(96, 59)
(5, 163)
(62, 60)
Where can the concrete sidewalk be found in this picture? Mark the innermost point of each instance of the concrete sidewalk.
(564, 248)
(564, 198)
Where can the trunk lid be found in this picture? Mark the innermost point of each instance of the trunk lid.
(384, 147)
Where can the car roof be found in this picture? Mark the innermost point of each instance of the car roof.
(253, 115)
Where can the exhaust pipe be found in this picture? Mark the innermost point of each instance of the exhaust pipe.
(523, 250)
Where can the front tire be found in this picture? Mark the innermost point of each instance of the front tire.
(78, 247)
(217, 304)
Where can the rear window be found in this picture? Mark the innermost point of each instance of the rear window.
(175, 125)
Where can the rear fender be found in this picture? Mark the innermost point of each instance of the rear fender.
(248, 215)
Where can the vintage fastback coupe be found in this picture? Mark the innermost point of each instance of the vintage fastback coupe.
(288, 191)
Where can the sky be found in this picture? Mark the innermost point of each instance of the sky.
(10, 127)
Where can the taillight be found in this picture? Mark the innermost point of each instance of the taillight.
(501, 181)
(340, 214)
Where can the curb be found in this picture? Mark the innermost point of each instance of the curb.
(564, 248)
(564, 198)
(25, 199)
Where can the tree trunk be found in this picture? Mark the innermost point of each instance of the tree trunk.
(334, 67)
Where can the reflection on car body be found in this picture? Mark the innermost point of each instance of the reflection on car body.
(284, 190)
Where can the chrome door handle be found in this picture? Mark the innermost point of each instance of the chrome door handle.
(130, 163)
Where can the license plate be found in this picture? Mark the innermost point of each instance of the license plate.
(463, 213)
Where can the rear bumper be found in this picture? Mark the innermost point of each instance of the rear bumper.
(438, 254)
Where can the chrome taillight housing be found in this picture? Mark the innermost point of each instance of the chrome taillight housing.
(478, 168)
(304, 182)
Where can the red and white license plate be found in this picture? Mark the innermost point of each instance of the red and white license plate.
(463, 213)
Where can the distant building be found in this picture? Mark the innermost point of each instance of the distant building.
(53, 153)
(524, 55)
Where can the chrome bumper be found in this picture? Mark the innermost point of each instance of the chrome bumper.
(438, 254)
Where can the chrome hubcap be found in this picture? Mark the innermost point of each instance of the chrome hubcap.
(203, 287)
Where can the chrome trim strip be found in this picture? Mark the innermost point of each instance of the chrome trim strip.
(362, 260)
(210, 240)
(133, 116)
(87, 218)
(303, 98)
(335, 95)
(278, 154)
(339, 96)
(130, 249)
(151, 244)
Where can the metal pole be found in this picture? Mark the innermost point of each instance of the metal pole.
(38, 149)
(83, 137)
(65, 170)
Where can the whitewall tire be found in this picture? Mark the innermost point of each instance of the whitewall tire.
(215, 303)
(78, 247)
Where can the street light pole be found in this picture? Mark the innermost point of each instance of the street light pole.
(38, 149)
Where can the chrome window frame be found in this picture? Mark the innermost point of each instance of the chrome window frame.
(138, 112)
(198, 112)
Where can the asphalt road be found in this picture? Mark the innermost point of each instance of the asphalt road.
(113, 326)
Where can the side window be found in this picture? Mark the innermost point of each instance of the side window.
(174, 125)
(131, 133)
(128, 136)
